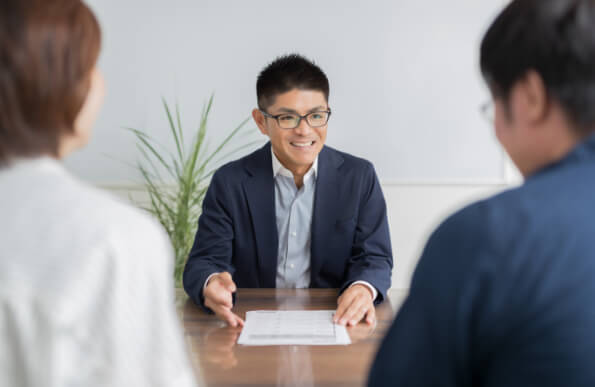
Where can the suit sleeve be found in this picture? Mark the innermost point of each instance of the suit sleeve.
(213, 243)
(371, 258)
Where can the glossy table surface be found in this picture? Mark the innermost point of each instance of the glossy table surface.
(221, 362)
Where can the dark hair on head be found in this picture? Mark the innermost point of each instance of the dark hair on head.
(286, 73)
(555, 38)
(47, 52)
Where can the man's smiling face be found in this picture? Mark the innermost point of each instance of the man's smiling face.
(295, 148)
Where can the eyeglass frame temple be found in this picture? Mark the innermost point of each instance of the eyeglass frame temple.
(276, 117)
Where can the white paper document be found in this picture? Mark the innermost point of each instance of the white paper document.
(292, 327)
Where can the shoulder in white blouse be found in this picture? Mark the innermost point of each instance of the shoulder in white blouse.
(86, 294)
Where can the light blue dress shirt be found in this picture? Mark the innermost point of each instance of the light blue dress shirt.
(293, 209)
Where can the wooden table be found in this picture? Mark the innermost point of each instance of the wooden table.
(221, 362)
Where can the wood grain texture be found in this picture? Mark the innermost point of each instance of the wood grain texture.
(221, 362)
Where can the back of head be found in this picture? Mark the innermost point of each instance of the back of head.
(287, 73)
(555, 38)
(47, 52)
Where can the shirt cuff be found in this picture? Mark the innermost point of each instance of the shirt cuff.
(372, 288)
(207, 282)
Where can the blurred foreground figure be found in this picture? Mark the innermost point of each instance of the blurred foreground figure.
(504, 293)
(86, 294)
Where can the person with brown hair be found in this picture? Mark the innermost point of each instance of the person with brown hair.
(86, 294)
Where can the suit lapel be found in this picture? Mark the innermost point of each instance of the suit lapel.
(260, 192)
(326, 207)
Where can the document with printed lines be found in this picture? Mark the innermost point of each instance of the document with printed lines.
(292, 327)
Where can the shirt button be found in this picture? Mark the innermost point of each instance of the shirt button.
(291, 266)
(294, 234)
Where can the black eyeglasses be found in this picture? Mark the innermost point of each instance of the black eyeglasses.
(292, 120)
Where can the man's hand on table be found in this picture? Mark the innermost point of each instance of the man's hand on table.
(218, 297)
(354, 304)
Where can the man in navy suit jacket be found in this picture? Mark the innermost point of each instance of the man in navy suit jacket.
(294, 213)
(504, 293)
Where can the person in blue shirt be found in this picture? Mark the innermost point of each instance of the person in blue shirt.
(504, 293)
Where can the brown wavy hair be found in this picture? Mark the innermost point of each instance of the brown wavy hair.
(47, 51)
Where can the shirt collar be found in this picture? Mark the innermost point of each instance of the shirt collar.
(584, 150)
(41, 162)
(279, 169)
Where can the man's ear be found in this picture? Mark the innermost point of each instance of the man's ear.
(533, 98)
(260, 120)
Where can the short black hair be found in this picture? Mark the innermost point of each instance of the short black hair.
(289, 72)
(555, 38)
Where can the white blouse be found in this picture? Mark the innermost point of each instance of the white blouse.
(86, 288)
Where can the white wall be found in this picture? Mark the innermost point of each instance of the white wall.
(405, 84)
(405, 91)
(415, 210)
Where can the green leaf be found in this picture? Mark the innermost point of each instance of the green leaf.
(236, 150)
(144, 139)
(172, 127)
(226, 140)
(176, 204)
(180, 132)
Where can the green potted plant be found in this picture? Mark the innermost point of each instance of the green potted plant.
(176, 200)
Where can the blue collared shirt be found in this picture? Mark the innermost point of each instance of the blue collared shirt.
(293, 209)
